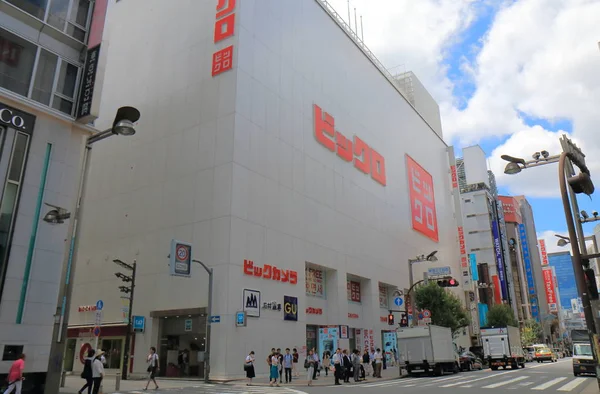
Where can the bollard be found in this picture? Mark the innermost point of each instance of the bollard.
(118, 382)
(63, 378)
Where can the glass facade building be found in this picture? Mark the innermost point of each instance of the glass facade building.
(565, 276)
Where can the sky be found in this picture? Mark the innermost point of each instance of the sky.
(511, 76)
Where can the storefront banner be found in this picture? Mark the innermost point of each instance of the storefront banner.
(290, 308)
(499, 261)
(527, 259)
(550, 289)
(390, 346)
(383, 296)
(473, 263)
(315, 282)
(454, 177)
(353, 289)
(422, 200)
(328, 339)
(464, 263)
(367, 339)
(344, 332)
(544, 252)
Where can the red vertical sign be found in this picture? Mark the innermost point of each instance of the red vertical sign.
(549, 286)
(224, 28)
(544, 252)
(422, 200)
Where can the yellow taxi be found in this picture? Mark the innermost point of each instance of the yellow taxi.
(545, 354)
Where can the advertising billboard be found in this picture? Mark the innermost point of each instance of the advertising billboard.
(499, 261)
(526, 259)
(422, 200)
(550, 287)
(544, 252)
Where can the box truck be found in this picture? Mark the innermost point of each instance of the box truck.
(583, 358)
(502, 347)
(427, 349)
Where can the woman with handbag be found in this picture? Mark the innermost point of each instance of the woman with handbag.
(152, 360)
(309, 364)
(87, 373)
(249, 368)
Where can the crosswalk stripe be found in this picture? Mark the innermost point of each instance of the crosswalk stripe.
(549, 383)
(572, 384)
(475, 380)
(446, 379)
(505, 382)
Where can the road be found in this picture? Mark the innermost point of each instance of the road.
(543, 378)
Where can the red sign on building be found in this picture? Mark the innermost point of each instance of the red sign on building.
(314, 311)
(365, 158)
(224, 29)
(464, 264)
(353, 290)
(270, 272)
(454, 177)
(422, 200)
(544, 252)
(550, 287)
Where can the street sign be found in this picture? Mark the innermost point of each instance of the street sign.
(98, 317)
(99, 305)
(398, 301)
(426, 313)
(439, 271)
(188, 325)
(215, 319)
(240, 319)
(420, 316)
(96, 331)
(139, 323)
(181, 258)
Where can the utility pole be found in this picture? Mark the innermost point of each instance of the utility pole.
(128, 291)
(210, 272)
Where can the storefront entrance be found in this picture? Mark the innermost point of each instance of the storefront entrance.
(182, 346)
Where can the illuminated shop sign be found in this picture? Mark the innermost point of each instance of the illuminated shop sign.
(270, 272)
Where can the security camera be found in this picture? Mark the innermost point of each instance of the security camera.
(595, 213)
(585, 215)
(545, 154)
(536, 156)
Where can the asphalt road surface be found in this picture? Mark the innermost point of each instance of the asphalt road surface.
(543, 378)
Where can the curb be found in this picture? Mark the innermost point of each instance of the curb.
(316, 385)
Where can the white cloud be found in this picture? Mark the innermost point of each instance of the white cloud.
(551, 239)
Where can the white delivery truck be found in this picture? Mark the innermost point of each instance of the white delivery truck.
(427, 349)
(502, 347)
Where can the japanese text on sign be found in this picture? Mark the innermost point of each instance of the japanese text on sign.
(315, 282)
(544, 252)
(365, 158)
(353, 290)
(549, 286)
(422, 200)
(383, 296)
(270, 272)
(88, 82)
(454, 177)
(224, 29)
(314, 311)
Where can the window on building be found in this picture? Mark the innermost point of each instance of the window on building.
(54, 79)
(17, 57)
(36, 8)
(12, 352)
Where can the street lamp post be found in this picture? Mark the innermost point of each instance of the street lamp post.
(123, 124)
(210, 272)
(419, 259)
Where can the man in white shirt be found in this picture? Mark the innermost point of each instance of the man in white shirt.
(378, 363)
(337, 364)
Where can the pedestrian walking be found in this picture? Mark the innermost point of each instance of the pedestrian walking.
(274, 369)
(153, 367)
(15, 375)
(356, 365)
(366, 362)
(87, 372)
(280, 358)
(309, 364)
(98, 371)
(295, 362)
(378, 363)
(288, 362)
(316, 358)
(347, 366)
(326, 362)
(249, 368)
(337, 364)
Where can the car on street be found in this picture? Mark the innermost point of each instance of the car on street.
(545, 354)
(529, 353)
(469, 361)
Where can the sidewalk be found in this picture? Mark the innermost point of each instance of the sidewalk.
(386, 374)
(591, 388)
(74, 383)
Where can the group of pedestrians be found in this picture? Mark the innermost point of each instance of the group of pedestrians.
(343, 363)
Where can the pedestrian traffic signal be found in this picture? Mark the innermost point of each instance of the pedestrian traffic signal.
(404, 320)
(447, 282)
(391, 319)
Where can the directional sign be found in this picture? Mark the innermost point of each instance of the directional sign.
(99, 305)
(438, 271)
(420, 316)
(398, 301)
(139, 323)
(215, 319)
(240, 319)
(98, 316)
(96, 331)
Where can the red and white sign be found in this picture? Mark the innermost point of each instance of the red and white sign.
(353, 289)
(270, 272)
(224, 29)
(315, 282)
(87, 308)
(353, 316)
(550, 288)
(542, 244)
(422, 200)
(454, 177)
(314, 311)
(510, 207)
(365, 158)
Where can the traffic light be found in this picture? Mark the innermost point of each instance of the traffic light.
(447, 282)
(391, 319)
(590, 279)
(404, 320)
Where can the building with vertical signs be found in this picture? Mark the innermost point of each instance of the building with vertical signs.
(304, 176)
(43, 46)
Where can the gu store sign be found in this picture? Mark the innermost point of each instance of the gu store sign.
(365, 158)
(422, 200)
(224, 29)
